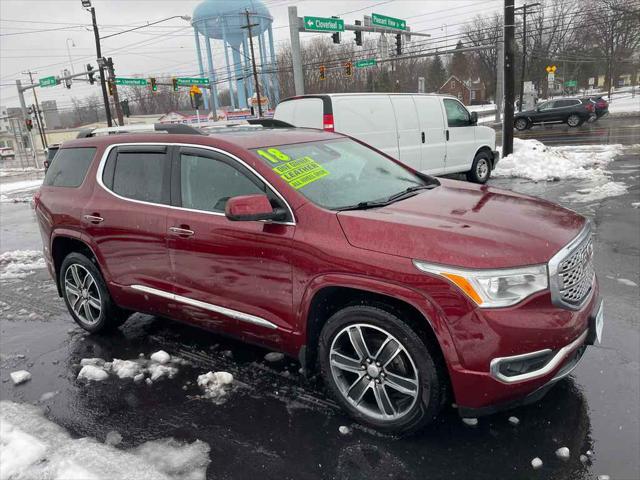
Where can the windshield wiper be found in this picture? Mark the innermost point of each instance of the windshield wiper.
(408, 191)
(363, 206)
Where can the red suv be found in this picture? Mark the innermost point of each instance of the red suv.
(405, 291)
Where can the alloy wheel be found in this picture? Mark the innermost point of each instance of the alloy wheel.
(374, 372)
(82, 294)
(482, 169)
(573, 120)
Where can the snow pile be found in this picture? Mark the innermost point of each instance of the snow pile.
(34, 448)
(274, 357)
(536, 463)
(216, 385)
(533, 160)
(624, 104)
(472, 422)
(563, 453)
(20, 376)
(20, 263)
(597, 192)
(137, 369)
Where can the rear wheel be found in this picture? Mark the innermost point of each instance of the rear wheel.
(379, 370)
(481, 168)
(574, 120)
(86, 296)
(521, 124)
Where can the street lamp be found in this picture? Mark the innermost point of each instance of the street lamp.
(73, 44)
(86, 3)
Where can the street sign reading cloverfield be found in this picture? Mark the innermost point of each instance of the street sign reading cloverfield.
(190, 81)
(321, 24)
(47, 82)
(388, 22)
(369, 62)
(132, 82)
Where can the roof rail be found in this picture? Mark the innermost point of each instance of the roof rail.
(175, 128)
(269, 123)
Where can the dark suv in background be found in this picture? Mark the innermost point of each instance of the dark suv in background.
(572, 111)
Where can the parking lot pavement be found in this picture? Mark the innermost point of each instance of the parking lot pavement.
(276, 424)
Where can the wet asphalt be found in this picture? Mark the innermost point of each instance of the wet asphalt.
(276, 424)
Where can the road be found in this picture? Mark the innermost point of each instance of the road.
(278, 425)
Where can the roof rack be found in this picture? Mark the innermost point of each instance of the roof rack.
(175, 128)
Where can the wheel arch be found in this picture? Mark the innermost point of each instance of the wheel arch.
(64, 243)
(487, 149)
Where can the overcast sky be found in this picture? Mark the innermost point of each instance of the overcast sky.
(168, 48)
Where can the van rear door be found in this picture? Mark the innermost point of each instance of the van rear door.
(369, 118)
(408, 127)
(432, 134)
(301, 112)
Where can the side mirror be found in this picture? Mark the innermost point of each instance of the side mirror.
(474, 118)
(251, 208)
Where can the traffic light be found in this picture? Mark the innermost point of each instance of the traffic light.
(90, 74)
(399, 44)
(348, 69)
(111, 87)
(124, 104)
(174, 82)
(335, 37)
(29, 123)
(67, 81)
(154, 85)
(195, 94)
(323, 72)
(358, 34)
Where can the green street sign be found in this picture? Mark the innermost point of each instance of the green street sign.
(47, 82)
(321, 24)
(190, 81)
(378, 20)
(369, 62)
(133, 82)
(571, 83)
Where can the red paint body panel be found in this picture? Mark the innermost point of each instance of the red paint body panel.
(273, 271)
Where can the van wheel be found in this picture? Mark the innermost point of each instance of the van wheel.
(379, 370)
(481, 168)
(574, 120)
(86, 296)
(521, 124)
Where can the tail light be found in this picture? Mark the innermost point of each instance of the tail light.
(589, 107)
(601, 104)
(327, 123)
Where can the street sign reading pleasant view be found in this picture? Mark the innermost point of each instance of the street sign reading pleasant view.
(321, 24)
(137, 82)
(369, 62)
(47, 82)
(378, 20)
(189, 81)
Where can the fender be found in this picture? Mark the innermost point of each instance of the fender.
(428, 309)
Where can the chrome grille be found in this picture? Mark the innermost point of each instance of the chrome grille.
(575, 274)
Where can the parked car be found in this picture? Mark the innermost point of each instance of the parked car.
(434, 134)
(572, 111)
(50, 153)
(405, 291)
(7, 153)
(601, 105)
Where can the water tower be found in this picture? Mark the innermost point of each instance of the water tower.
(223, 20)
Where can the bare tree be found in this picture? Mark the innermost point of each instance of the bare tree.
(485, 31)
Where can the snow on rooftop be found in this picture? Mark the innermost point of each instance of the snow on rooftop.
(33, 447)
(20, 263)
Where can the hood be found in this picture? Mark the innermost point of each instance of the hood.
(465, 225)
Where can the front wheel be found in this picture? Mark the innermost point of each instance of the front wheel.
(379, 370)
(480, 169)
(574, 120)
(521, 124)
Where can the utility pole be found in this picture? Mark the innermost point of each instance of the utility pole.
(101, 65)
(524, 47)
(39, 121)
(296, 56)
(509, 94)
(114, 89)
(500, 82)
(25, 115)
(253, 61)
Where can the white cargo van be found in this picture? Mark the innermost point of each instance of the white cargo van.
(434, 134)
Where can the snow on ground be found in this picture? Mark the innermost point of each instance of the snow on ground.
(97, 369)
(625, 104)
(20, 186)
(20, 376)
(12, 172)
(20, 263)
(216, 385)
(597, 192)
(34, 448)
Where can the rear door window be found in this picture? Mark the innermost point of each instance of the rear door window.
(70, 167)
(140, 174)
(457, 115)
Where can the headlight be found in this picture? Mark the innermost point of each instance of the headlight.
(493, 288)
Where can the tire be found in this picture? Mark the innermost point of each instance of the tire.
(368, 390)
(480, 169)
(521, 124)
(574, 120)
(86, 296)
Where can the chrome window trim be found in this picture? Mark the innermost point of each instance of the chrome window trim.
(243, 317)
(494, 368)
(107, 151)
(555, 262)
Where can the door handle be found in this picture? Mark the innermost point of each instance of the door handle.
(447, 134)
(181, 232)
(423, 137)
(93, 219)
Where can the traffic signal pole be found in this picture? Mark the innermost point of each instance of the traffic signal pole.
(253, 61)
(39, 121)
(114, 89)
(509, 79)
(103, 83)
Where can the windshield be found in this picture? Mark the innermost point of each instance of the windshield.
(337, 174)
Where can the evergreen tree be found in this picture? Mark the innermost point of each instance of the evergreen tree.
(436, 74)
(459, 65)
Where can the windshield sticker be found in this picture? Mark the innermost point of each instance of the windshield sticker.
(300, 172)
(273, 155)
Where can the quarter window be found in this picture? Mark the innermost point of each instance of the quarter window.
(70, 167)
(457, 115)
(141, 176)
(207, 183)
